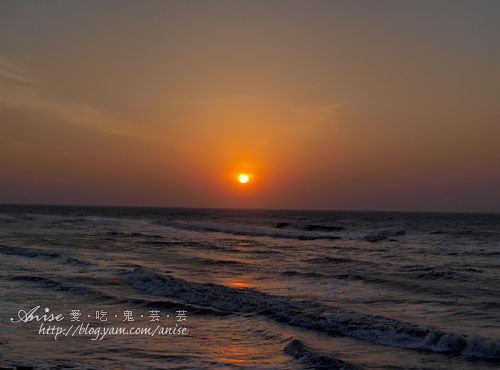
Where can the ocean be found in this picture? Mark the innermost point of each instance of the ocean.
(172, 288)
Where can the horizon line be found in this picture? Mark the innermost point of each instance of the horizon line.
(243, 209)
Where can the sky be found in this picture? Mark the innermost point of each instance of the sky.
(344, 105)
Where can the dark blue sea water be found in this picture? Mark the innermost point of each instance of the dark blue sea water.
(255, 289)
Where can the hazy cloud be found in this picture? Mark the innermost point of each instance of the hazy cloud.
(9, 71)
(19, 89)
(307, 112)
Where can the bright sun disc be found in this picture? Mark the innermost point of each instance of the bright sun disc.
(243, 179)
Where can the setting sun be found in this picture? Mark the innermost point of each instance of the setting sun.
(243, 179)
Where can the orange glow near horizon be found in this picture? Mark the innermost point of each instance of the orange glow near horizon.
(195, 107)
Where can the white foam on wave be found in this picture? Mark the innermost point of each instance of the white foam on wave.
(375, 329)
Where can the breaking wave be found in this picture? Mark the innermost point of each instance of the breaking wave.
(310, 227)
(42, 254)
(375, 329)
(384, 235)
(47, 283)
(252, 231)
(301, 353)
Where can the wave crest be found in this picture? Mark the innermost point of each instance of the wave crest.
(375, 329)
(252, 231)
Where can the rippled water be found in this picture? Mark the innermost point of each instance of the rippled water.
(262, 289)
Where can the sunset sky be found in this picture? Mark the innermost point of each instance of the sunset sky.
(366, 105)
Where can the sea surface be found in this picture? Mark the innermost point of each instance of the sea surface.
(255, 289)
